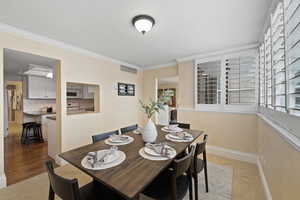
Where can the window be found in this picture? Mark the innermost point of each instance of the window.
(227, 83)
(292, 35)
(268, 69)
(278, 59)
(208, 76)
(240, 80)
(262, 84)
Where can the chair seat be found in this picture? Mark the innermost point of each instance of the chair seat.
(96, 191)
(160, 187)
(199, 165)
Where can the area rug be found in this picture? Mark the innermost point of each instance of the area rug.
(219, 183)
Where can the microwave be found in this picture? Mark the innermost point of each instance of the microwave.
(74, 93)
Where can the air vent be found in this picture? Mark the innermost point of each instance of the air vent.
(128, 69)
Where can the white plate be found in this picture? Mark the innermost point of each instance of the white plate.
(116, 139)
(130, 139)
(178, 140)
(166, 129)
(109, 158)
(149, 157)
(154, 153)
(121, 158)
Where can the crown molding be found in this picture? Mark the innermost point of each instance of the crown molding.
(217, 53)
(39, 38)
(161, 65)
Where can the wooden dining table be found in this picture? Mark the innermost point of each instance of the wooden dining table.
(133, 175)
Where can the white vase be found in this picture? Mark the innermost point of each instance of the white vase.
(149, 132)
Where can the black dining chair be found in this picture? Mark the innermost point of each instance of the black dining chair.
(181, 125)
(177, 177)
(103, 136)
(129, 129)
(198, 164)
(69, 189)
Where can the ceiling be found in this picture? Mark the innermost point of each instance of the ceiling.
(16, 62)
(183, 28)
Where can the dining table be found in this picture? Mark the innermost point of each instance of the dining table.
(133, 175)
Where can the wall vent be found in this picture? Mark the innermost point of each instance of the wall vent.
(128, 69)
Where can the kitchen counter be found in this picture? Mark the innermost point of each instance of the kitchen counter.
(38, 113)
(51, 117)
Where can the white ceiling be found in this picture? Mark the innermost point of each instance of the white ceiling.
(183, 28)
(16, 62)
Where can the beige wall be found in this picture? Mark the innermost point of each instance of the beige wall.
(115, 112)
(280, 162)
(186, 84)
(231, 131)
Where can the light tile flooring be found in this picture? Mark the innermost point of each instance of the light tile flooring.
(246, 182)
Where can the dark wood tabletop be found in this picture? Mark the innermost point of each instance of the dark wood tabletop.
(135, 173)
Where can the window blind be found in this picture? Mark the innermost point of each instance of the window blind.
(292, 34)
(262, 84)
(208, 82)
(268, 69)
(278, 71)
(240, 80)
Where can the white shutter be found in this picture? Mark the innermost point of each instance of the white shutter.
(240, 80)
(292, 34)
(208, 82)
(262, 83)
(278, 58)
(268, 69)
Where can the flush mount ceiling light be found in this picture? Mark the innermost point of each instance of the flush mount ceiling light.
(143, 23)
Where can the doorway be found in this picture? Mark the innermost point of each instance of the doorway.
(31, 84)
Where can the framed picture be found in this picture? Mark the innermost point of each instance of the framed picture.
(126, 89)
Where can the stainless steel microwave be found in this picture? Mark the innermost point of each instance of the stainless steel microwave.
(74, 93)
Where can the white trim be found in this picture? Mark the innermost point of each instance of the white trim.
(3, 181)
(264, 181)
(218, 53)
(285, 134)
(251, 112)
(170, 64)
(29, 35)
(232, 154)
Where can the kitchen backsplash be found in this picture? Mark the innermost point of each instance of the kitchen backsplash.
(38, 104)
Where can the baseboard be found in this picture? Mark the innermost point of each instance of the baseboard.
(60, 161)
(264, 181)
(3, 181)
(232, 154)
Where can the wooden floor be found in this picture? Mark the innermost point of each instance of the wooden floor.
(22, 161)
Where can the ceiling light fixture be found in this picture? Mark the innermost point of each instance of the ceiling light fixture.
(143, 23)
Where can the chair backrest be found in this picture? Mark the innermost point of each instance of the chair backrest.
(103, 136)
(129, 129)
(183, 125)
(173, 115)
(180, 166)
(64, 188)
(201, 147)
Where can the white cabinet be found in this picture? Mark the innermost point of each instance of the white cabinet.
(89, 91)
(40, 88)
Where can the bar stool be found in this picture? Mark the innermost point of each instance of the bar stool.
(35, 129)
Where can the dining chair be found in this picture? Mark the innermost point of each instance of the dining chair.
(129, 129)
(177, 177)
(103, 136)
(198, 164)
(68, 189)
(181, 125)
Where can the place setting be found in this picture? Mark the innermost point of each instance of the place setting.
(159, 151)
(176, 134)
(119, 140)
(103, 159)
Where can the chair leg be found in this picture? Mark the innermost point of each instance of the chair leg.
(190, 186)
(206, 176)
(51, 194)
(196, 185)
(22, 136)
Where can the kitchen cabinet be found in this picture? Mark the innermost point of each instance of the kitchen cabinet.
(40, 88)
(89, 91)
